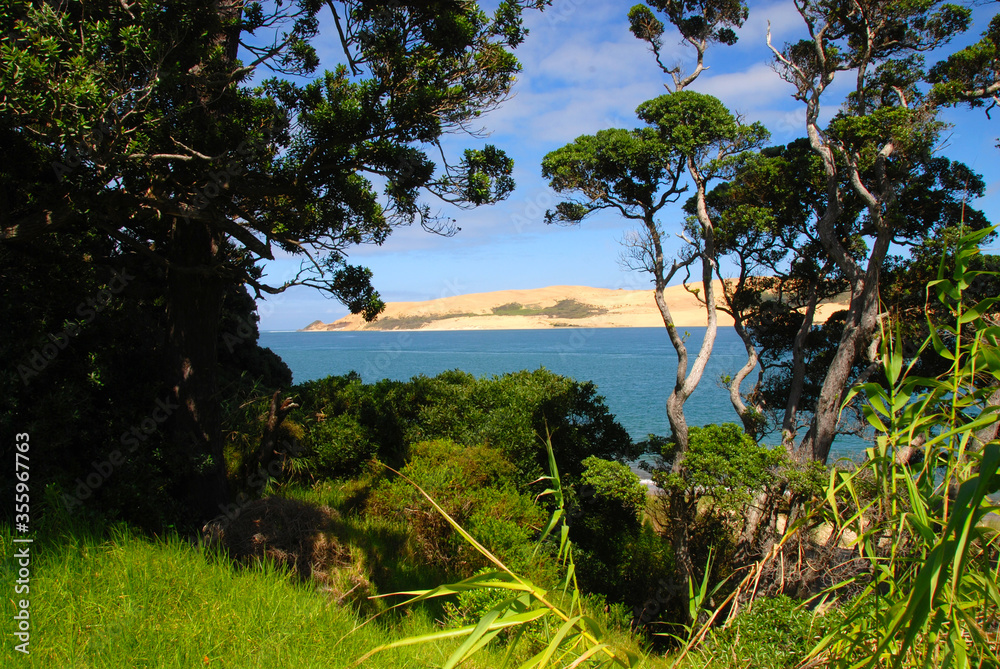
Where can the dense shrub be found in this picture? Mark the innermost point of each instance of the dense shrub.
(617, 555)
(633, 567)
(724, 463)
(341, 445)
(523, 405)
(475, 486)
(612, 490)
(507, 412)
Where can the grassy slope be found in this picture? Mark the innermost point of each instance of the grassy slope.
(132, 602)
(118, 599)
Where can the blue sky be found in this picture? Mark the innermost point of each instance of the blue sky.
(584, 71)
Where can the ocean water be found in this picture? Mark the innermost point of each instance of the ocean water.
(633, 368)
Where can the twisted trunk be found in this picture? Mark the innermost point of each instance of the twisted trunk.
(749, 415)
(682, 509)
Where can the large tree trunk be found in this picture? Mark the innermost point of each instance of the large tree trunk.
(194, 306)
(861, 322)
(682, 510)
(195, 293)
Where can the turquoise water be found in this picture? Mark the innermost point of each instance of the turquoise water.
(633, 368)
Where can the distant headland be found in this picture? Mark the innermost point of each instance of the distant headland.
(541, 308)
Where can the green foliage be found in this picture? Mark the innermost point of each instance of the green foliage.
(562, 309)
(722, 463)
(764, 224)
(638, 171)
(699, 23)
(412, 322)
(341, 445)
(144, 138)
(615, 485)
(475, 485)
(471, 605)
(628, 565)
(555, 626)
(775, 633)
(932, 598)
(512, 309)
(618, 555)
(504, 412)
(694, 124)
(968, 76)
(613, 166)
(571, 309)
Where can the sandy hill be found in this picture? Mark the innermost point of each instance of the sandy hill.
(555, 306)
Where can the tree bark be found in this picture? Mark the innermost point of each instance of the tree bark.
(682, 509)
(194, 308)
(687, 380)
(749, 415)
(861, 322)
(194, 301)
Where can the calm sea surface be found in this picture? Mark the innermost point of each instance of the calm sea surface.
(633, 368)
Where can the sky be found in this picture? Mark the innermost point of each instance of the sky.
(583, 71)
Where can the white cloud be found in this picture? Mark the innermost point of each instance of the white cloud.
(554, 117)
(605, 64)
(785, 21)
(746, 90)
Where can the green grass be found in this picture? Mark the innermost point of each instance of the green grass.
(379, 546)
(130, 601)
(112, 597)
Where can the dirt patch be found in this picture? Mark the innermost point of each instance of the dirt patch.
(292, 534)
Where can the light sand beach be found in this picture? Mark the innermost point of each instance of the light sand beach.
(593, 308)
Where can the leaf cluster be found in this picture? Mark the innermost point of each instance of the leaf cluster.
(722, 463)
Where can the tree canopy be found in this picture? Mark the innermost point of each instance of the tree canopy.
(200, 138)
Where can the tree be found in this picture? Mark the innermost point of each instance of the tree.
(140, 123)
(766, 225)
(870, 149)
(699, 22)
(763, 216)
(638, 172)
(971, 75)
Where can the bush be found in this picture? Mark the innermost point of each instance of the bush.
(507, 412)
(617, 555)
(634, 567)
(341, 446)
(475, 486)
(612, 490)
(724, 463)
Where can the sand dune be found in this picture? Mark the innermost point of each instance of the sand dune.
(555, 306)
